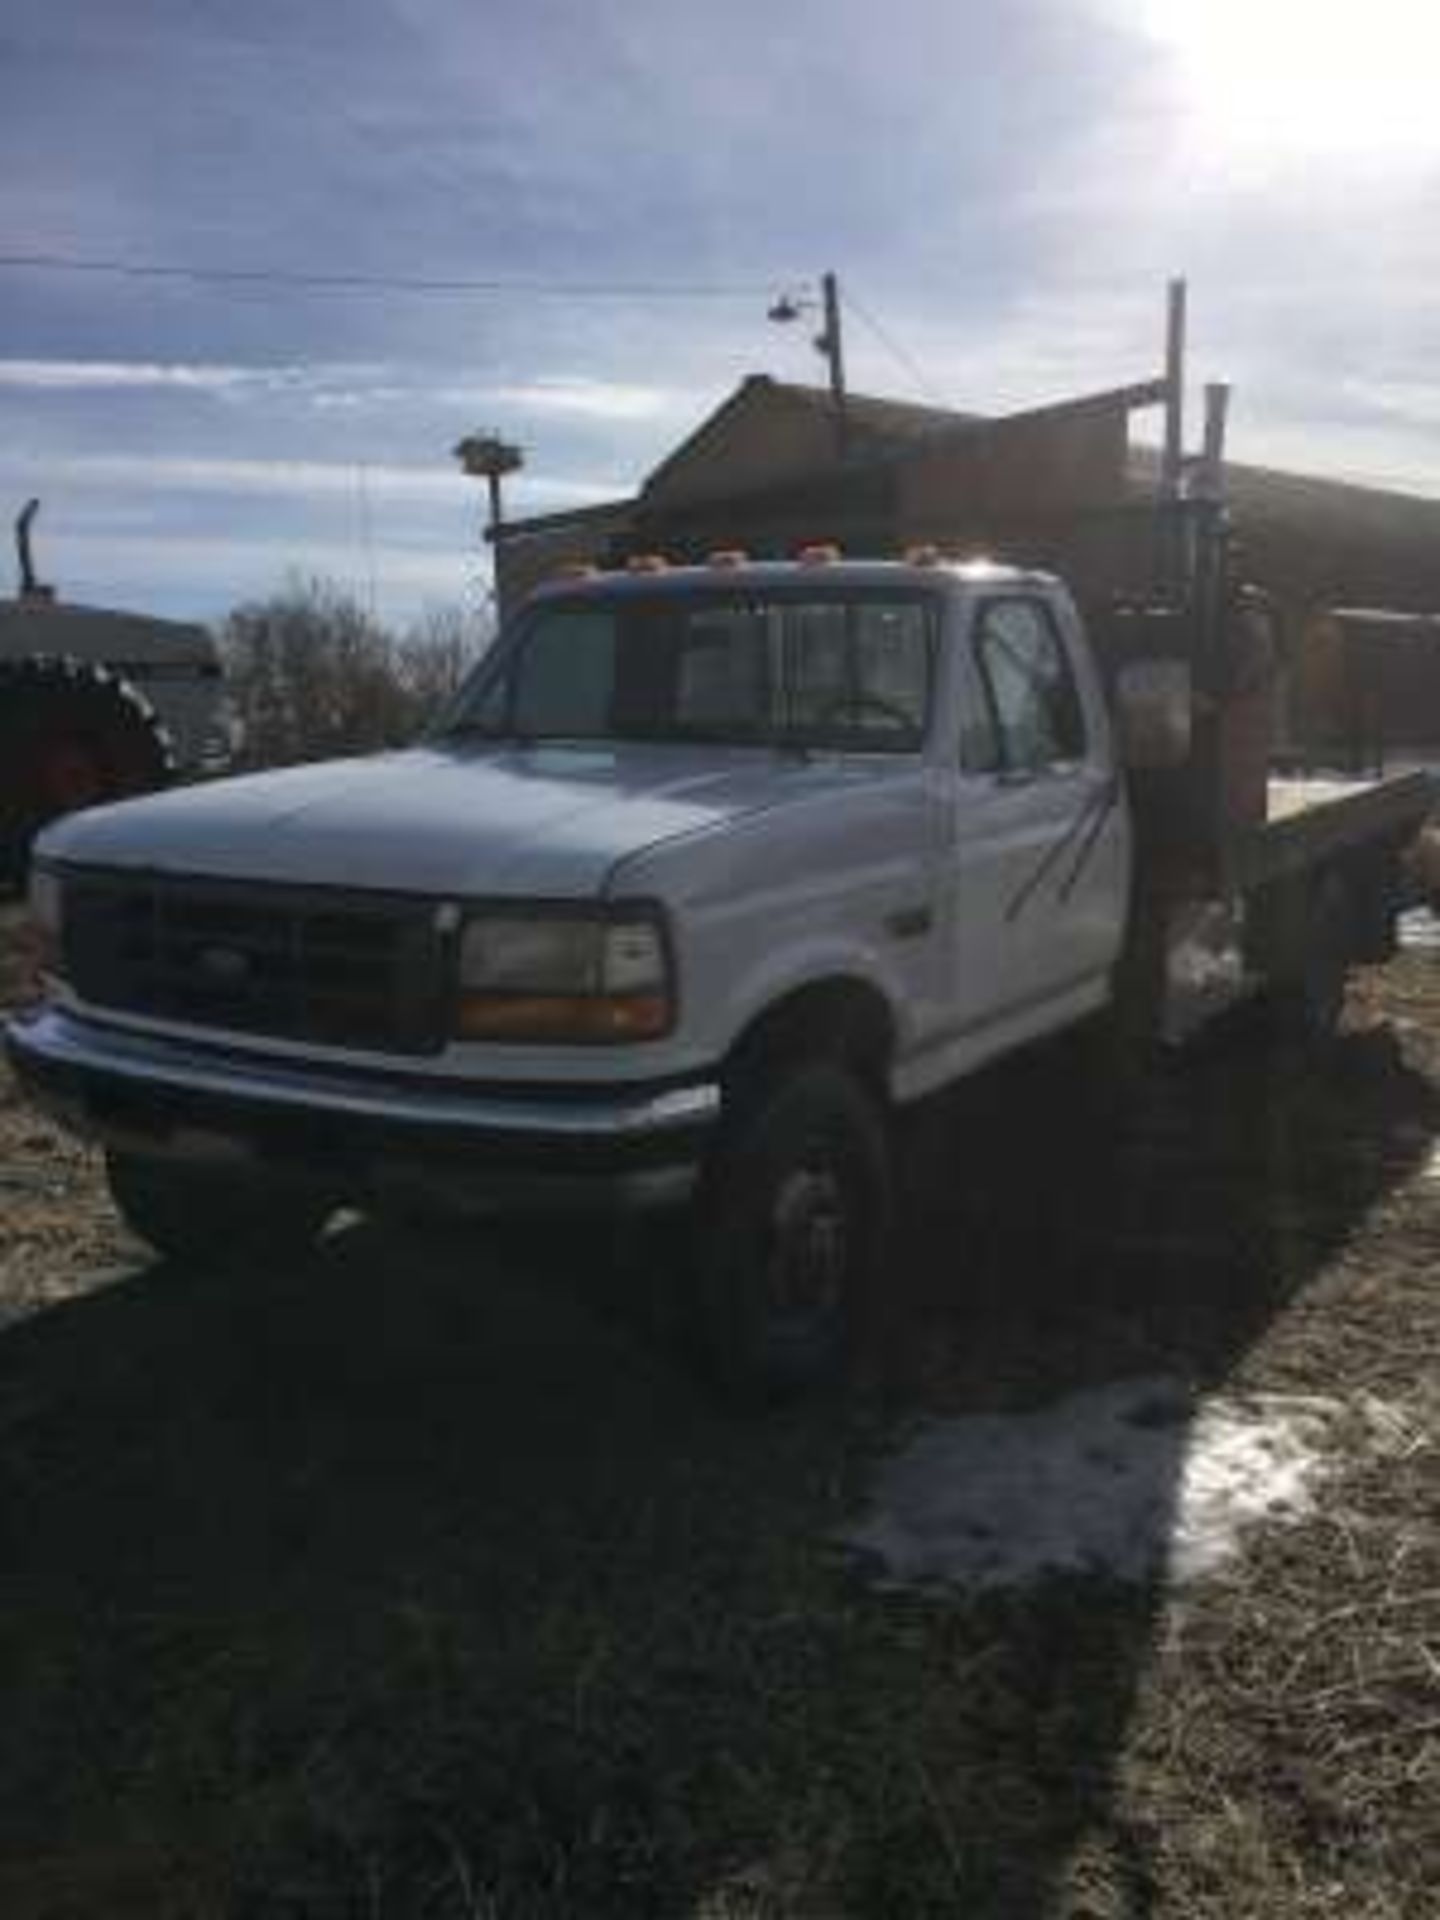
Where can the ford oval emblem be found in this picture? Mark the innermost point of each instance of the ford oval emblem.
(228, 965)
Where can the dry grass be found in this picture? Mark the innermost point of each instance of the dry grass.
(58, 1234)
(402, 1584)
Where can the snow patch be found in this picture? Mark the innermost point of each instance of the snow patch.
(1419, 930)
(1133, 1479)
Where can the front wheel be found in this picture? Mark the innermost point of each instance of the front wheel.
(207, 1214)
(791, 1227)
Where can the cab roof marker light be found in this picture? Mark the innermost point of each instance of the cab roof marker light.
(727, 557)
(647, 563)
(924, 554)
(820, 553)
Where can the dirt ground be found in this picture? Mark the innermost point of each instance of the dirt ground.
(410, 1582)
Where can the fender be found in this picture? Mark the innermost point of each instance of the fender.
(824, 960)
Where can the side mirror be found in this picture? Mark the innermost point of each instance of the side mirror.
(1153, 714)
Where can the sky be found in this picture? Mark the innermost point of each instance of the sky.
(1003, 187)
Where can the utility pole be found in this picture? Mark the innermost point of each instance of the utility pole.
(829, 343)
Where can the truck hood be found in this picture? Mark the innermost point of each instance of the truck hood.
(466, 819)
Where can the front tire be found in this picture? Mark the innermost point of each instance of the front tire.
(207, 1215)
(792, 1226)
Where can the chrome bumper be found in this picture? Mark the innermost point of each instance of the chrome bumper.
(495, 1147)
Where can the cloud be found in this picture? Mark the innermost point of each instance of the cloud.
(1410, 406)
(1009, 216)
(577, 396)
(267, 557)
(208, 572)
(572, 396)
(89, 376)
(591, 399)
(184, 474)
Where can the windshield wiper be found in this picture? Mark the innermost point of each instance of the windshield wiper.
(654, 736)
(694, 737)
(485, 730)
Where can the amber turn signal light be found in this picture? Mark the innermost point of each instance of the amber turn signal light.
(583, 1019)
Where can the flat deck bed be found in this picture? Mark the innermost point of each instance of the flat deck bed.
(1312, 821)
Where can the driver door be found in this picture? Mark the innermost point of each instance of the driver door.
(1040, 873)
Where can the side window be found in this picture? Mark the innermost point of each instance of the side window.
(1033, 699)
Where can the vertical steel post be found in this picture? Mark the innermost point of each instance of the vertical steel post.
(1211, 527)
(1217, 408)
(1174, 455)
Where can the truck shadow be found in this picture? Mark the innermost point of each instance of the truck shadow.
(403, 1583)
(1155, 1245)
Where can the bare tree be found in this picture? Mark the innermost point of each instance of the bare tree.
(436, 654)
(312, 675)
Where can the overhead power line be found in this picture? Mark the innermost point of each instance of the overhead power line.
(897, 352)
(381, 282)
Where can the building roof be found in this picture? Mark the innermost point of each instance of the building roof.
(601, 514)
(877, 427)
(883, 430)
(884, 423)
(100, 633)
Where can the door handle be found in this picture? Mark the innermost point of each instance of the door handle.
(910, 923)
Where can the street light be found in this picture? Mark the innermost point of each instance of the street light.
(828, 343)
(487, 457)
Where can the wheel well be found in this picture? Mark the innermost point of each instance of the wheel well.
(844, 1019)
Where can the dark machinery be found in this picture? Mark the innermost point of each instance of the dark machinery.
(95, 705)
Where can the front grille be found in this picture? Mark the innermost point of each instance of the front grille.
(297, 963)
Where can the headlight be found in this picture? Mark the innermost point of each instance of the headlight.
(564, 976)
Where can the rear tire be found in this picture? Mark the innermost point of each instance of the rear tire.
(72, 734)
(208, 1215)
(791, 1230)
(1310, 1005)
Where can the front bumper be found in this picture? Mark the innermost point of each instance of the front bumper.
(365, 1134)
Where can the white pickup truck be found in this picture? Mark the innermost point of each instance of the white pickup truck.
(705, 873)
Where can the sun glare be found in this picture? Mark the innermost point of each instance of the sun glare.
(1294, 78)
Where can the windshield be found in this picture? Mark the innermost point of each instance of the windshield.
(846, 670)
